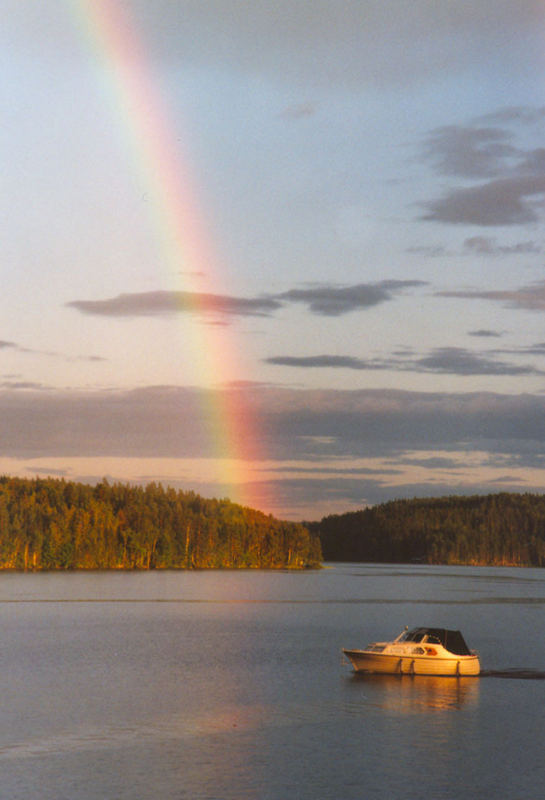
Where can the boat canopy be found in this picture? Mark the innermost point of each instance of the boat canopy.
(453, 641)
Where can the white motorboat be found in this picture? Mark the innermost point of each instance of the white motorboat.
(420, 651)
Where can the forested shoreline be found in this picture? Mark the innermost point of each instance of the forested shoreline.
(496, 530)
(49, 524)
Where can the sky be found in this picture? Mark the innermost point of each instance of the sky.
(288, 253)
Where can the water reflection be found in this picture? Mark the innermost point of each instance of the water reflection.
(175, 727)
(411, 694)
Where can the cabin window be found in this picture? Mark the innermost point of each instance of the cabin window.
(414, 636)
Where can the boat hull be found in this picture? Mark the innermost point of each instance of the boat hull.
(398, 664)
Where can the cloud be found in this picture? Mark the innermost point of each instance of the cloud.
(459, 361)
(165, 303)
(349, 42)
(332, 301)
(533, 349)
(364, 423)
(354, 443)
(533, 162)
(506, 201)
(530, 298)
(508, 480)
(479, 245)
(22, 385)
(470, 152)
(483, 332)
(175, 422)
(441, 360)
(29, 350)
(323, 299)
(484, 245)
(343, 44)
(323, 42)
(169, 421)
(508, 179)
(337, 362)
(132, 423)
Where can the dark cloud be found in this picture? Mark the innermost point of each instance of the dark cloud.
(506, 201)
(537, 349)
(332, 301)
(319, 426)
(526, 455)
(22, 385)
(325, 42)
(29, 350)
(176, 422)
(508, 480)
(470, 152)
(337, 362)
(533, 162)
(531, 298)
(479, 245)
(508, 179)
(165, 302)
(129, 423)
(459, 361)
(367, 423)
(484, 245)
(441, 360)
(323, 299)
(485, 333)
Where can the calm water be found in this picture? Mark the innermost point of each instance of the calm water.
(231, 685)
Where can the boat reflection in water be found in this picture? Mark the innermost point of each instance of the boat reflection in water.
(412, 694)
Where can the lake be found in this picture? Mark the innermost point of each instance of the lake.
(231, 684)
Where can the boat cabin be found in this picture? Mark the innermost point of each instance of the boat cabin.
(453, 641)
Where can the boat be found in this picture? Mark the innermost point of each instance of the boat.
(420, 651)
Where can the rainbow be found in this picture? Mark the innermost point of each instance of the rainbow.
(141, 115)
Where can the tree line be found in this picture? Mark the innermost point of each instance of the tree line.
(48, 524)
(498, 529)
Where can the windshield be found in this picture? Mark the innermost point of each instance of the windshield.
(415, 635)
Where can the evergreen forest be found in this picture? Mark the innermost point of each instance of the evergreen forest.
(48, 524)
(499, 529)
